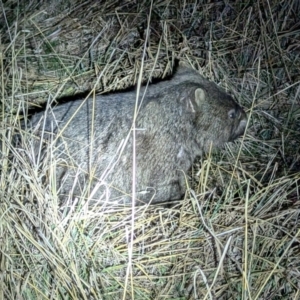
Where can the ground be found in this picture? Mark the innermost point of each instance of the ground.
(236, 233)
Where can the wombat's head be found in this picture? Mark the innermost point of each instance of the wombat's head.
(218, 118)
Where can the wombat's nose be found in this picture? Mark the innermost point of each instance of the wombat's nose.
(242, 122)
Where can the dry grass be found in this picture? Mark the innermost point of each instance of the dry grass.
(236, 234)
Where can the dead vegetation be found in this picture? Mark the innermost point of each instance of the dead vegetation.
(236, 234)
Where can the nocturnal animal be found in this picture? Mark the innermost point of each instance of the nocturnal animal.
(92, 141)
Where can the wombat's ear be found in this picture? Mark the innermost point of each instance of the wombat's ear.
(195, 104)
(198, 102)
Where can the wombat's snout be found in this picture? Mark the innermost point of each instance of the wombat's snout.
(241, 118)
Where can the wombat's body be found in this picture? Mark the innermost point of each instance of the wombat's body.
(177, 120)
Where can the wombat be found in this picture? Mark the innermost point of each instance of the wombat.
(176, 120)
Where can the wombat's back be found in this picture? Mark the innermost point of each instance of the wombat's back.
(177, 120)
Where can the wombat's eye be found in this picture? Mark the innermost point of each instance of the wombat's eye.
(232, 114)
